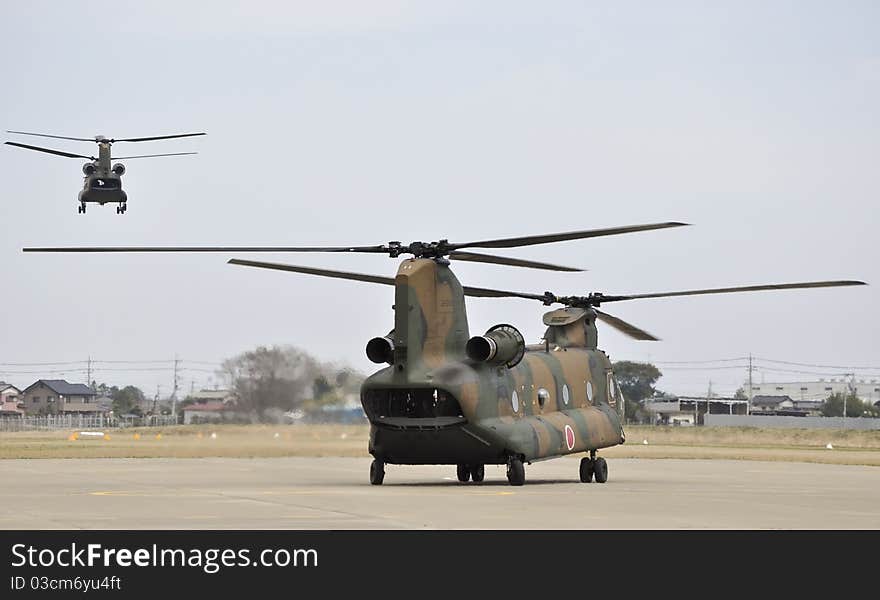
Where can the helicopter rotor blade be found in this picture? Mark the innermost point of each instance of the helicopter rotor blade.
(227, 249)
(58, 137)
(492, 293)
(511, 262)
(468, 291)
(728, 290)
(532, 240)
(624, 327)
(152, 155)
(49, 151)
(157, 137)
(313, 271)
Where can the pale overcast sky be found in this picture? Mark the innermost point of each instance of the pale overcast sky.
(359, 123)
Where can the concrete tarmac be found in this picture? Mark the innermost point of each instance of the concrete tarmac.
(334, 493)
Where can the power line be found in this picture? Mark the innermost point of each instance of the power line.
(704, 368)
(698, 362)
(797, 364)
(44, 364)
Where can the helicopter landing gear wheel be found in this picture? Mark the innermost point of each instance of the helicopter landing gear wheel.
(586, 470)
(377, 472)
(600, 470)
(516, 472)
(478, 473)
(82, 208)
(463, 472)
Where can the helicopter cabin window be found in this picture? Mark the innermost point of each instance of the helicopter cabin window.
(416, 403)
(589, 392)
(100, 183)
(613, 392)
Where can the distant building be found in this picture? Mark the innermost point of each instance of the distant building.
(204, 412)
(9, 393)
(10, 400)
(226, 396)
(59, 396)
(866, 389)
(105, 403)
(689, 410)
(210, 406)
(771, 405)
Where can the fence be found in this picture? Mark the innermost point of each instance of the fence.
(54, 422)
(792, 422)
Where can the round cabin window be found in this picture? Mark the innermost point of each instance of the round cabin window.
(514, 401)
(565, 394)
(543, 396)
(590, 392)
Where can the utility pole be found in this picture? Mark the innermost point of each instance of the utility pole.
(708, 400)
(174, 392)
(89, 372)
(749, 401)
(852, 390)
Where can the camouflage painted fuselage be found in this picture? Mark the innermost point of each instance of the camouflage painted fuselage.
(103, 185)
(434, 405)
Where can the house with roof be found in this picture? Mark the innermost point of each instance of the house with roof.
(10, 400)
(776, 405)
(209, 406)
(8, 392)
(204, 412)
(57, 396)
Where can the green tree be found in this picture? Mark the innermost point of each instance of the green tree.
(855, 407)
(636, 381)
(127, 400)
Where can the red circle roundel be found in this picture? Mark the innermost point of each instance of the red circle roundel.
(569, 437)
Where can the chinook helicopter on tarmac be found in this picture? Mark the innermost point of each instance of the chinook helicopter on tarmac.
(102, 183)
(449, 398)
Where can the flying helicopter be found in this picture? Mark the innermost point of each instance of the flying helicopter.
(446, 397)
(102, 183)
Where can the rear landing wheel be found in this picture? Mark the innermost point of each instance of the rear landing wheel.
(463, 472)
(516, 472)
(586, 470)
(82, 208)
(478, 472)
(377, 472)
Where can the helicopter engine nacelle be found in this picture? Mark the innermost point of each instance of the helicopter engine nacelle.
(119, 169)
(381, 350)
(88, 169)
(502, 345)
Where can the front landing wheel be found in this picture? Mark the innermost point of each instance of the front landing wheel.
(516, 472)
(377, 472)
(586, 470)
(600, 470)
